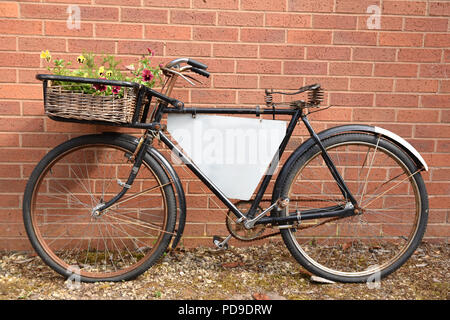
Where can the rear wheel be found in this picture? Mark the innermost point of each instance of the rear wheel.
(120, 243)
(388, 188)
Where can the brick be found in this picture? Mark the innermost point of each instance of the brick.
(328, 53)
(280, 82)
(350, 6)
(36, 44)
(437, 40)
(262, 35)
(434, 70)
(235, 81)
(281, 51)
(56, 28)
(139, 47)
(334, 22)
(215, 4)
(215, 34)
(261, 67)
(388, 23)
(415, 116)
(374, 54)
(144, 15)
(404, 7)
(126, 31)
(355, 38)
(188, 49)
(235, 50)
(20, 27)
(43, 140)
(9, 140)
(8, 75)
(350, 68)
(119, 2)
(168, 3)
(426, 24)
(419, 55)
(436, 101)
(288, 20)
(240, 18)
(351, 99)
(213, 96)
(264, 5)
(305, 68)
(441, 8)
(9, 107)
(402, 39)
(432, 131)
(309, 37)
(192, 17)
(310, 5)
(397, 100)
(9, 10)
(19, 59)
(21, 124)
(81, 45)
(18, 91)
(8, 43)
(371, 114)
(395, 70)
(168, 32)
(408, 85)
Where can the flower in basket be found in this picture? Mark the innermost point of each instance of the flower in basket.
(143, 73)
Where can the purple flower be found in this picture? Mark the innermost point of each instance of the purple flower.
(147, 75)
(115, 89)
(99, 87)
(150, 51)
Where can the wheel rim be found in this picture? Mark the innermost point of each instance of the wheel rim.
(117, 242)
(360, 245)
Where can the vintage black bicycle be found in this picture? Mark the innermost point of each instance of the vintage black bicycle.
(349, 202)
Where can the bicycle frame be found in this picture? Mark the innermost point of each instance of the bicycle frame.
(296, 115)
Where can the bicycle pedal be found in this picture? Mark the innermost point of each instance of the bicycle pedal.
(220, 242)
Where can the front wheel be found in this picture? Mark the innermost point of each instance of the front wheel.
(61, 221)
(387, 186)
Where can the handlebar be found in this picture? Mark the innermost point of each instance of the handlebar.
(195, 66)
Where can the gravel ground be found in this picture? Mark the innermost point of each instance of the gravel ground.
(256, 272)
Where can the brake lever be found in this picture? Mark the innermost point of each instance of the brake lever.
(180, 74)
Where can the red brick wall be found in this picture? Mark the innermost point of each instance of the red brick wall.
(395, 77)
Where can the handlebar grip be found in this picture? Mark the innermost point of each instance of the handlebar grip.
(197, 64)
(200, 72)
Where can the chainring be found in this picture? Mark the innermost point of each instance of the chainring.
(238, 230)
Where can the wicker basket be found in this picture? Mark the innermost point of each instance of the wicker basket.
(63, 103)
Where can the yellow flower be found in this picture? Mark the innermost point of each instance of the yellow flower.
(81, 59)
(109, 73)
(101, 71)
(46, 55)
(85, 75)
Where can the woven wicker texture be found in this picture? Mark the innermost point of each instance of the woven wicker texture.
(64, 103)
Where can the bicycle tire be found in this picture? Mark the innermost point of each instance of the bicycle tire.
(339, 238)
(118, 228)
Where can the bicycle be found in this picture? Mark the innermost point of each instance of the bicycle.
(349, 202)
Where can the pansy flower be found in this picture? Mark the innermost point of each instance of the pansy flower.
(150, 52)
(81, 59)
(109, 73)
(46, 55)
(101, 71)
(99, 86)
(115, 89)
(147, 75)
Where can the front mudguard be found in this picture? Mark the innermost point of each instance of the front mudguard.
(388, 135)
(170, 171)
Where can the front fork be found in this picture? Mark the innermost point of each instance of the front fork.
(137, 157)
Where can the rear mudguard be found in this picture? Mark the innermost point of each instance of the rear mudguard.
(388, 135)
(170, 171)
